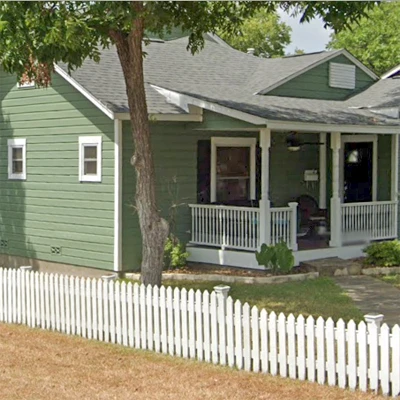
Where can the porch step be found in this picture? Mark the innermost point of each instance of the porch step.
(333, 266)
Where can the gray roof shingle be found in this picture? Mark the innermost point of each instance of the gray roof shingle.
(229, 77)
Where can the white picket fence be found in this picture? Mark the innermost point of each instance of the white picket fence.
(210, 327)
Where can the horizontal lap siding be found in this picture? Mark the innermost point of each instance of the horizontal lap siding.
(314, 84)
(175, 157)
(52, 208)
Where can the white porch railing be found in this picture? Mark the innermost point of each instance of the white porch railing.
(369, 221)
(239, 227)
(225, 226)
(284, 225)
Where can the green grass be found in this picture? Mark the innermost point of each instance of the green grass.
(317, 297)
(392, 279)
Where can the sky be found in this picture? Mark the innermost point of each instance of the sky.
(309, 37)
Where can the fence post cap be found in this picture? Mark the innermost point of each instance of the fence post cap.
(109, 277)
(374, 318)
(222, 289)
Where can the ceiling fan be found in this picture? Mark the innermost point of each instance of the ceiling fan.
(293, 142)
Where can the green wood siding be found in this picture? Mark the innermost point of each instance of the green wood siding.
(52, 208)
(314, 84)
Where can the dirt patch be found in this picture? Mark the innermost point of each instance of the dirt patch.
(37, 364)
(202, 268)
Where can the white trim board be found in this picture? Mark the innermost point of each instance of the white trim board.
(84, 92)
(117, 195)
(232, 142)
(391, 72)
(360, 139)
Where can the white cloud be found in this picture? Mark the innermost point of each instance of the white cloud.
(310, 37)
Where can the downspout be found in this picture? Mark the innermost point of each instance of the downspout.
(117, 195)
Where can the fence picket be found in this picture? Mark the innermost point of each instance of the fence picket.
(214, 327)
(199, 325)
(170, 321)
(206, 320)
(264, 341)
(385, 359)
(310, 331)
(124, 315)
(282, 355)
(301, 348)
(395, 361)
(131, 332)
(100, 320)
(94, 308)
(156, 306)
(208, 327)
(136, 304)
(230, 332)
(255, 339)
(184, 319)
(330, 351)
(177, 323)
(116, 305)
(320, 350)
(362, 356)
(149, 317)
(163, 320)
(341, 353)
(238, 335)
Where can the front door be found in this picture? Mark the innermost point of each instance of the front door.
(358, 172)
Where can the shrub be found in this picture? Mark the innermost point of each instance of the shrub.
(175, 254)
(278, 258)
(383, 254)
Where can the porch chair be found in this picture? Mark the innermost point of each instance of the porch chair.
(311, 219)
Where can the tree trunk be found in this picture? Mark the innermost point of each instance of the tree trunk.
(154, 229)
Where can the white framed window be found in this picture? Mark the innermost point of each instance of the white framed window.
(17, 159)
(26, 85)
(90, 158)
(233, 169)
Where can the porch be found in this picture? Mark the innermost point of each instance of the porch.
(225, 232)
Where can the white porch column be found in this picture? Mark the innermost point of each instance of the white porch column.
(336, 212)
(322, 171)
(265, 204)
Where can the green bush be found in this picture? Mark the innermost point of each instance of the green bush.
(278, 258)
(175, 254)
(383, 254)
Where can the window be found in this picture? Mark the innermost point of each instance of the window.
(17, 159)
(233, 169)
(342, 76)
(90, 159)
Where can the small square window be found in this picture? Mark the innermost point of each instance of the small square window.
(90, 158)
(17, 159)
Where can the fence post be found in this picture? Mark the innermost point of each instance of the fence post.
(26, 267)
(293, 226)
(374, 326)
(222, 295)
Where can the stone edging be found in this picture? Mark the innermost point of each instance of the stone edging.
(380, 271)
(235, 279)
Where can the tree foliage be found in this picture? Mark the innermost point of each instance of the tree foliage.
(34, 35)
(375, 39)
(264, 32)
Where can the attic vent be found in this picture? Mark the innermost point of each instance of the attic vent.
(342, 76)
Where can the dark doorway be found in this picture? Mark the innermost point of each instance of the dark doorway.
(358, 171)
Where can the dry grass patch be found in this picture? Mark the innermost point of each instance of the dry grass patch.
(37, 364)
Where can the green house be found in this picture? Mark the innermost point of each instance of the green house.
(302, 149)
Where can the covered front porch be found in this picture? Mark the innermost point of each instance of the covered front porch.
(352, 178)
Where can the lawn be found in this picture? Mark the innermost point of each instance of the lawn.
(317, 297)
(39, 364)
(392, 279)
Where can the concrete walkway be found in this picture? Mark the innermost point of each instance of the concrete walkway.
(372, 296)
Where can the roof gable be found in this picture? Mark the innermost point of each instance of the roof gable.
(316, 64)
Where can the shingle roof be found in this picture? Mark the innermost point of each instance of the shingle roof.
(228, 77)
